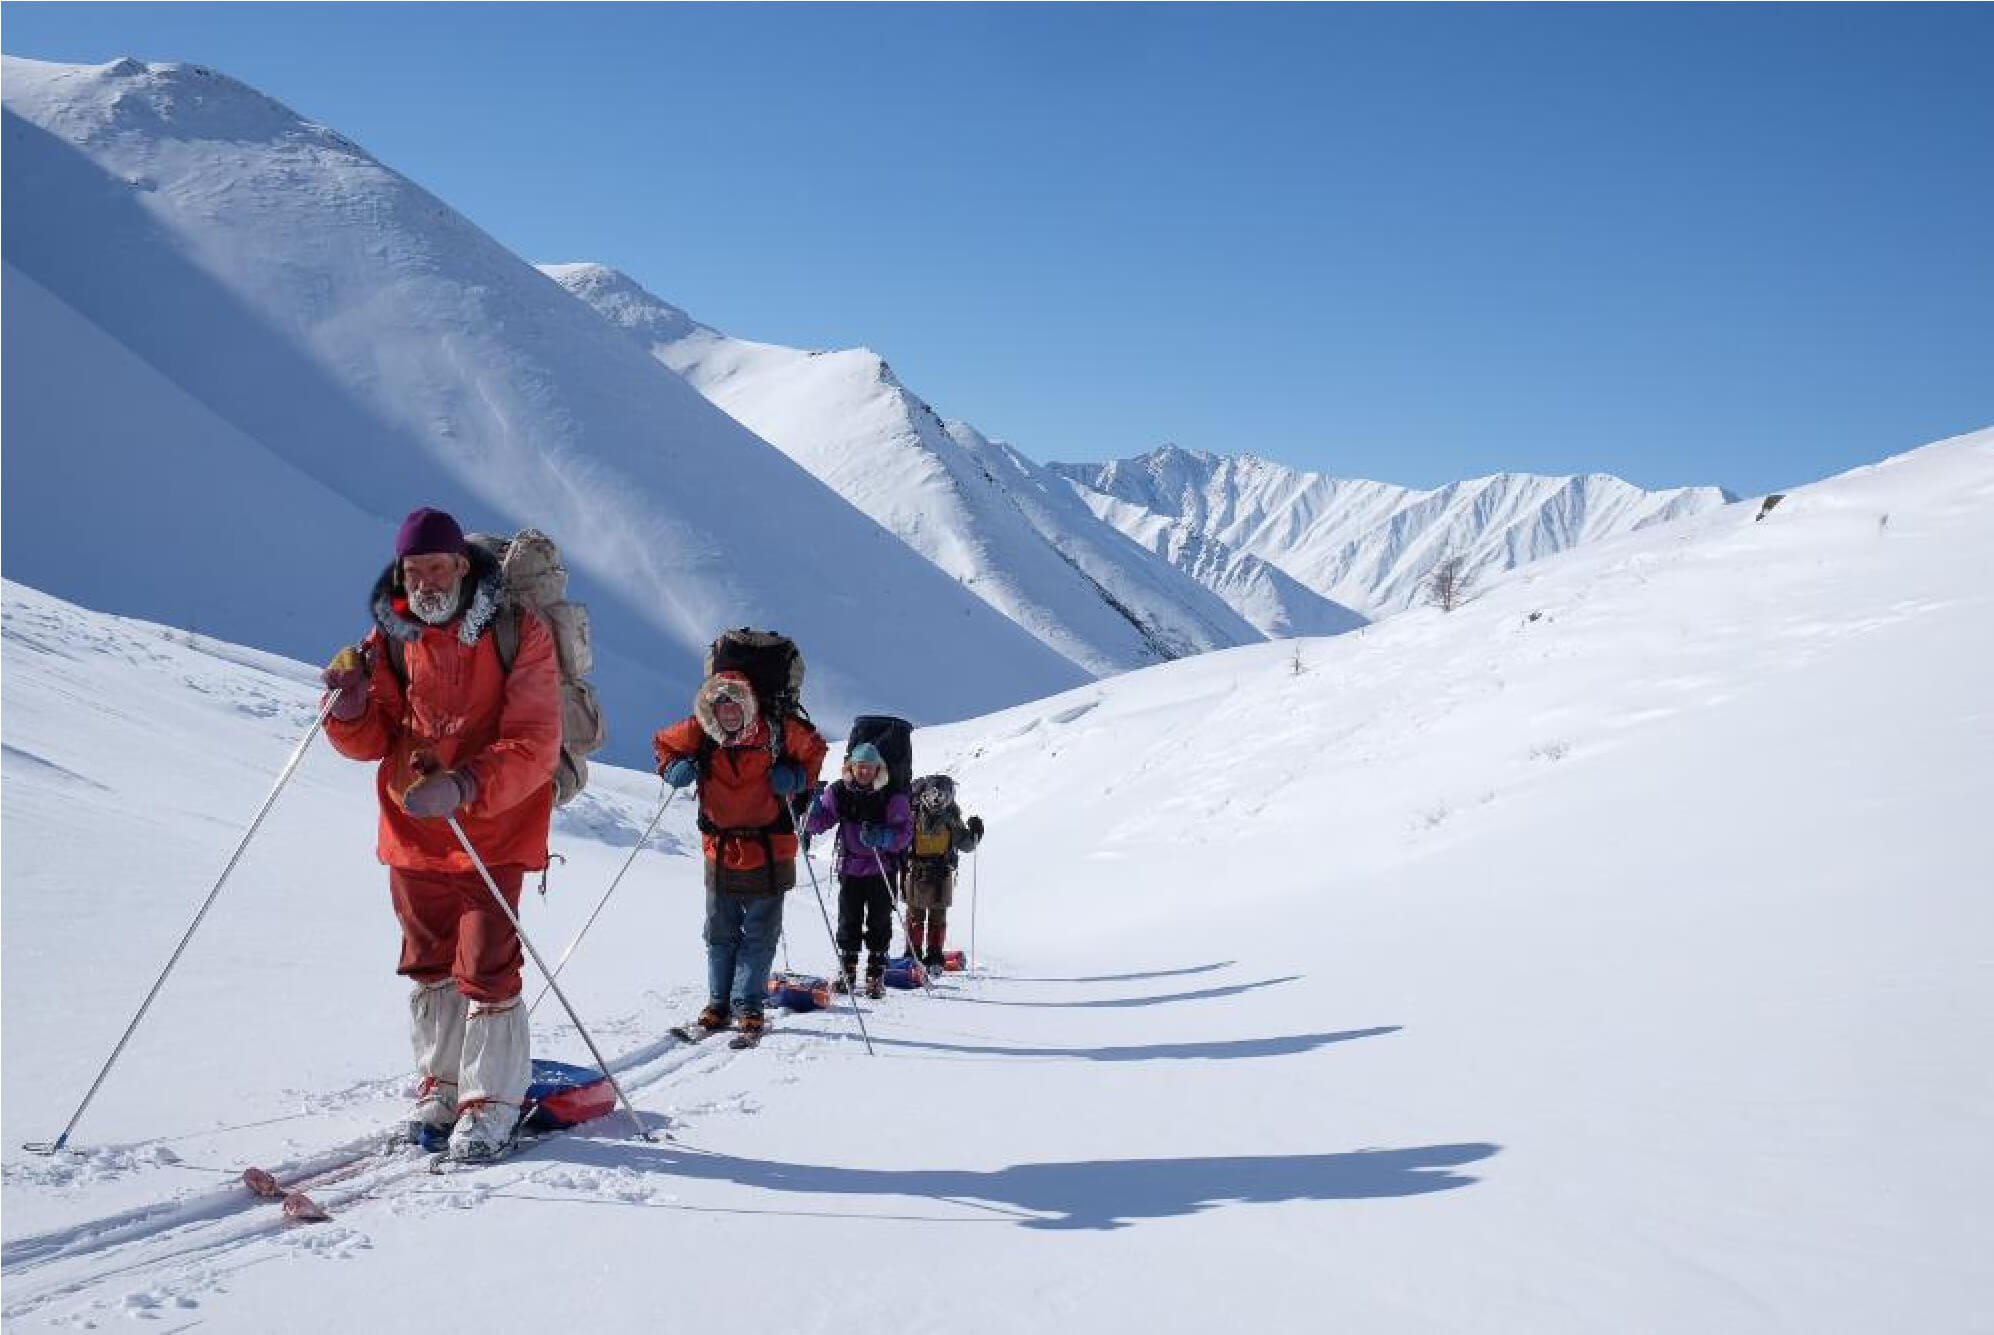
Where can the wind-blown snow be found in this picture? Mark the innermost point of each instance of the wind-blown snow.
(1609, 954)
(984, 514)
(1370, 545)
(253, 348)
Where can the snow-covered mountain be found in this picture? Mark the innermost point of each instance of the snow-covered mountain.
(1277, 604)
(1367, 545)
(983, 513)
(239, 349)
(1608, 954)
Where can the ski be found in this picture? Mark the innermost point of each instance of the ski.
(743, 1041)
(297, 1204)
(694, 1032)
(444, 1163)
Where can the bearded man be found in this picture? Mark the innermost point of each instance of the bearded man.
(458, 733)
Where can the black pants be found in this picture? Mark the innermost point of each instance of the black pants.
(865, 912)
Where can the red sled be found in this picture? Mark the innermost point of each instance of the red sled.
(799, 992)
(954, 961)
(562, 1095)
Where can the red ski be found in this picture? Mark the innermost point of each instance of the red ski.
(298, 1207)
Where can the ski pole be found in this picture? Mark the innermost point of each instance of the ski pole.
(975, 867)
(541, 964)
(283, 778)
(825, 913)
(617, 880)
(899, 913)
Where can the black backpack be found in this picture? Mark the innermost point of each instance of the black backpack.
(895, 739)
(773, 666)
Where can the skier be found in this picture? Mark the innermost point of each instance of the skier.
(750, 783)
(875, 827)
(940, 834)
(456, 733)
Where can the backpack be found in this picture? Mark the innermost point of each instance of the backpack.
(895, 739)
(933, 840)
(534, 577)
(773, 666)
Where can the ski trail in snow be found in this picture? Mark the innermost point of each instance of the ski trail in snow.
(192, 1236)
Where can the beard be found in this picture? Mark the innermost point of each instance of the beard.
(434, 606)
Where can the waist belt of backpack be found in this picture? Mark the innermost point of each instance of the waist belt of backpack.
(759, 833)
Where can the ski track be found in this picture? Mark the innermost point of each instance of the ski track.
(189, 1245)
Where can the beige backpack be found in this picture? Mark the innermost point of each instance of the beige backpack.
(535, 577)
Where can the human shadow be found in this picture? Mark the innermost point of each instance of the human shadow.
(1089, 1194)
(1118, 977)
(1287, 1045)
(1118, 1003)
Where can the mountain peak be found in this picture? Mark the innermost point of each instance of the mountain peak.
(624, 301)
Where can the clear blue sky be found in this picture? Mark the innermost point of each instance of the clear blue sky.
(1741, 244)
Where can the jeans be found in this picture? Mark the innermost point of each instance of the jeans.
(741, 932)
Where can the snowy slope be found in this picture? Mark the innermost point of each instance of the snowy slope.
(1055, 569)
(1606, 955)
(253, 348)
(1280, 606)
(1371, 545)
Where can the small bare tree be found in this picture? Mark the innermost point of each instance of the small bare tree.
(1447, 583)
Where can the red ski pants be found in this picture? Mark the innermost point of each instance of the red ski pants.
(453, 928)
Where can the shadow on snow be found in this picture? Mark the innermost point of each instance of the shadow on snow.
(1116, 977)
(1092, 1194)
(1288, 1045)
(1110, 1003)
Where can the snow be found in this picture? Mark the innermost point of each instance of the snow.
(1608, 954)
(1005, 528)
(1368, 546)
(255, 348)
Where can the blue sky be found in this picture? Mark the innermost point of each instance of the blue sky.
(1748, 245)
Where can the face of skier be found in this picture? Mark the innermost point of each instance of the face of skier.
(864, 773)
(433, 581)
(727, 712)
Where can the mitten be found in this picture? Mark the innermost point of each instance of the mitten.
(346, 677)
(437, 795)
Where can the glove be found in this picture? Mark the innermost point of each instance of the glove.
(680, 772)
(437, 795)
(346, 677)
(876, 836)
(975, 824)
(787, 779)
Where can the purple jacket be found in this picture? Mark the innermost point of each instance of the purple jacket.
(845, 806)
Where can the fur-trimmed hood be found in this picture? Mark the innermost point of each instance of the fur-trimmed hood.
(733, 686)
(390, 601)
(881, 776)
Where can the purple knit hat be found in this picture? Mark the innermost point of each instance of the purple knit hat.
(426, 532)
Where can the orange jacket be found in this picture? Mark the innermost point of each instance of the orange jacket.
(736, 792)
(466, 712)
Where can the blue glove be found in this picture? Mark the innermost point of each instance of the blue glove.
(680, 772)
(787, 779)
(876, 836)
